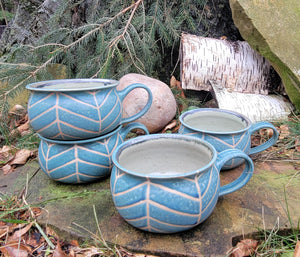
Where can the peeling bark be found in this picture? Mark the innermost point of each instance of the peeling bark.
(232, 64)
(256, 107)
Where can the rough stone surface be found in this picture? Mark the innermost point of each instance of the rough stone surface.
(163, 108)
(271, 27)
(261, 203)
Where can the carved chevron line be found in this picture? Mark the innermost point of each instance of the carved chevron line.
(42, 99)
(96, 166)
(103, 117)
(210, 193)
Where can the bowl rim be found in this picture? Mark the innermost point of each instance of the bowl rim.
(81, 141)
(239, 115)
(42, 86)
(144, 138)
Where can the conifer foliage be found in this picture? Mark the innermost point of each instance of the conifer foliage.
(101, 39)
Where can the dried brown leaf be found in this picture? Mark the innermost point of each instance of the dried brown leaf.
(175, 83)
(245, 248)
(91, 251)
(297, 144)
(15, 248)
(6, 154)
(74, 243)
(171, 125)
(6, 150)
(297, 250)
(24, 129)
(283, 131)
(17, 115)
(51, 232)
(17, 110)
(7, 169)
(21, 156)
(3, 231)
(19, 233)
(58, 252)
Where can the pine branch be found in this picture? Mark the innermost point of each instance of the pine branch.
(117, 39)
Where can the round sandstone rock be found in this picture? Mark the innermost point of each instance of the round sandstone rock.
(163, 108)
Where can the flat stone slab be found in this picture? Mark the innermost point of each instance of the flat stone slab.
(261, 203)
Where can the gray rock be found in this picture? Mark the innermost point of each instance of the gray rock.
(272, 29)
(163, 108)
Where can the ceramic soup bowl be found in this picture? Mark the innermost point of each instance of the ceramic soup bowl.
(82, 161)
(167, 183)
(225, 130)
(74, 109)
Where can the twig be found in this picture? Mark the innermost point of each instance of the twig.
(3, 12)
(99, 230)
(135, 5)
(100, 26)
(24, 80)
(283, 160)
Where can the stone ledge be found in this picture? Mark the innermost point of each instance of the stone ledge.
(258, 204)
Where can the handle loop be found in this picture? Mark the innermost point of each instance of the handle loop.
(134, 125)
(123, 93)
(243, 179)
(262, 125)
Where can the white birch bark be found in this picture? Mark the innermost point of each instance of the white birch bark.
(256, 107)
(232, 64)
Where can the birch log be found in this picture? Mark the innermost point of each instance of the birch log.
(256, 107)
(232, 64)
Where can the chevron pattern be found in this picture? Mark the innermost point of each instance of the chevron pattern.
(165, 205)
(78, 163)
(221, 142)
(73, 115)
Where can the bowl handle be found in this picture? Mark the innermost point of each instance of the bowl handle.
(126, 91)
(134, 125)
(243, 179)
(267, 144)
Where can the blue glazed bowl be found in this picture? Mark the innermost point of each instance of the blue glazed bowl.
(167, 183)
(225, 129)
(74, 109)
(82, 161)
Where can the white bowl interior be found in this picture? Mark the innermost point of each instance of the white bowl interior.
(165, 156)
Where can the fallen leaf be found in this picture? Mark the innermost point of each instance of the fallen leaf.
(24, 129)
(21, 156)
(297, 250)
(72, 253)
(6, 150)
(6, 154)
(245, 248)
(91, 251)
(19, 233)
(175, 83)
(74, 243)
(17, 115)
(58, 252)
(297, 144)
(17, 110)
(3, 231)
(283, 131)
(171, 125)
(51, 232)
(7, 169)
(15, 248)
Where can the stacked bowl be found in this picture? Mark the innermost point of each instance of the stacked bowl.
(80, 124)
